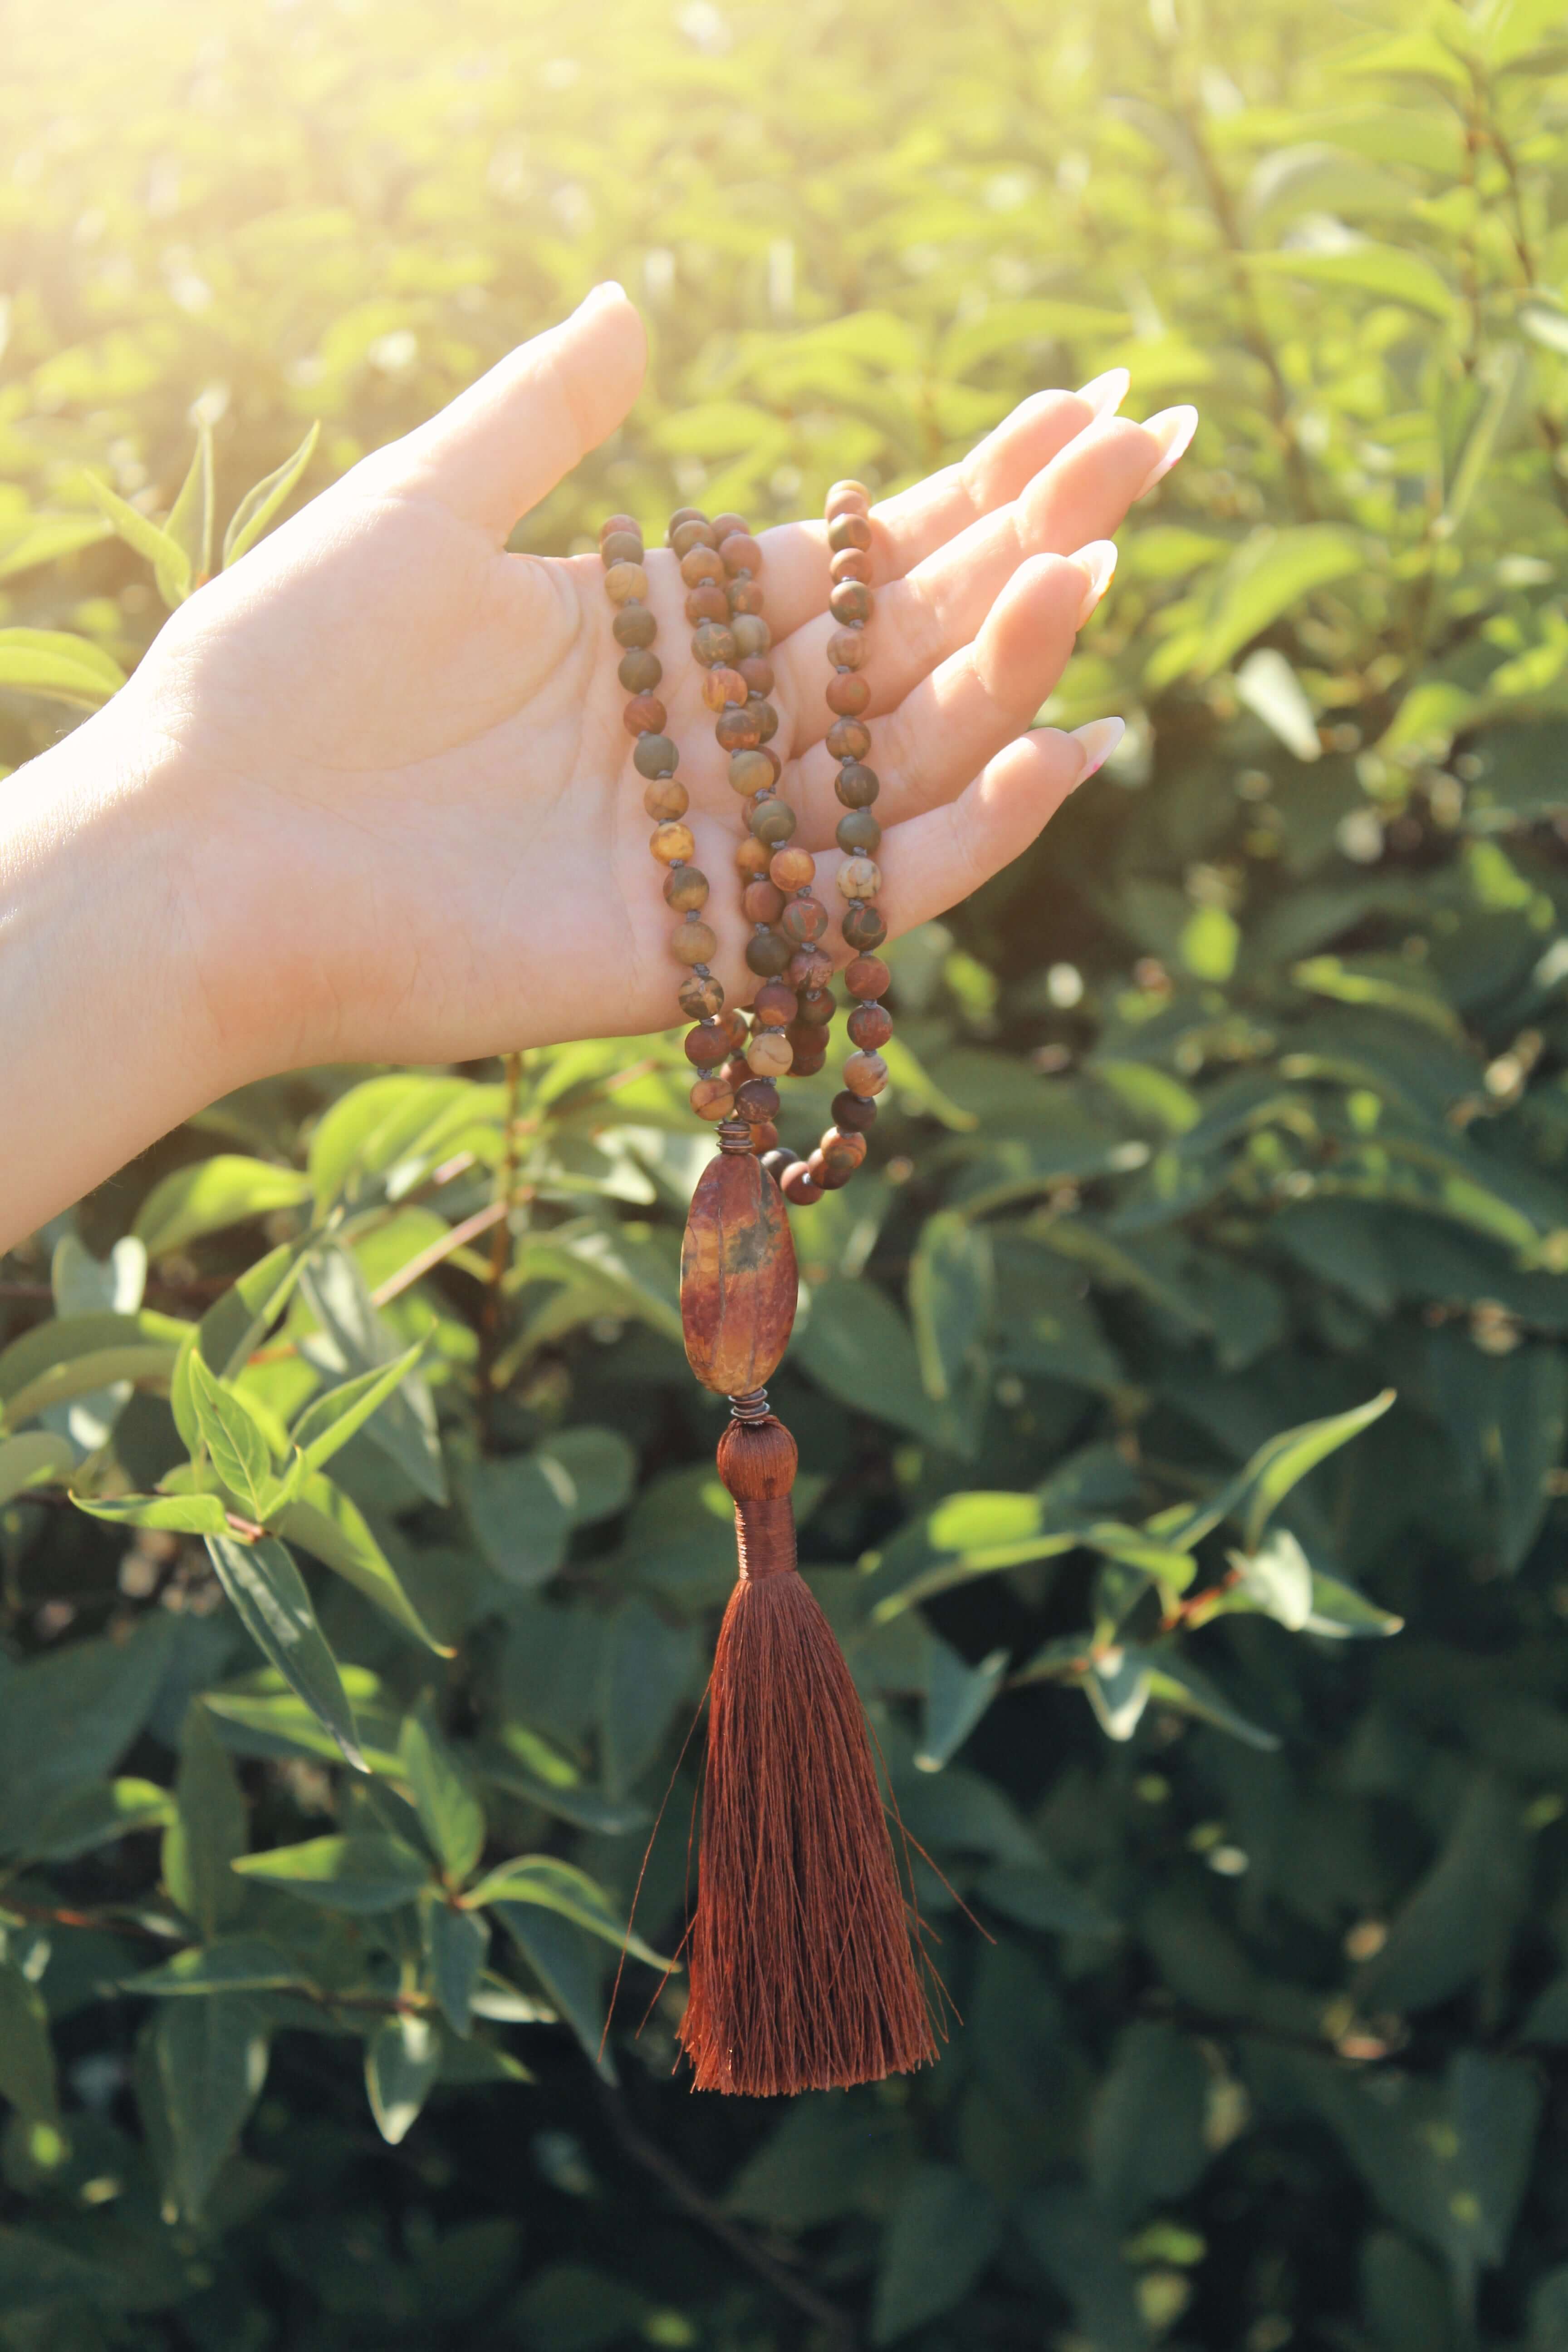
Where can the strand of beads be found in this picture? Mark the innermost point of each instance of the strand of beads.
(851, 603)
(655, 758)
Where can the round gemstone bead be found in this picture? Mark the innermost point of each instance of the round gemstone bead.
(721, 686)
(765, 1138)
(848, 649)
(640, 672)
(857, 785)
(770, 1054)
(738, 730)
(799, 1186)
(816, 1007)
(847, 695)
(868, 977)
(633, 625)
(750, 771)
(725, 526)
(848, 739)
(848, 1151)
(865, 1074)
(793, 869)
(694, 942)
(706, 1046)
(764, 714)
(625, 581)
(805, 920)
(761, 902)
(758, 672)
(810, 1050)
(696, 532)
(751, 857)
(645, 714)
(655, 755)
(767, 954)
(849, 564)
(752, 634)
(672, 843)
(711, 1098)
(848, 531)
(859, 878)
(854, 1112)
(847, 497)
(741, 552)
(810, 967)
(683, 514)
(713, 645)
(857, 833)
(685, 890)
(708, 602)
(701, 996)
(852, 600)
(699, 563)
(620, 522)
(620, 547)
(773, 821)
(871, 1025)
(774, 1004)
(776, 1161)
(863, 927)
(745, 596)
(756, 1099)
(666, 796)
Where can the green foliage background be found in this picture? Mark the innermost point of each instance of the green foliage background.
(1241, 1102)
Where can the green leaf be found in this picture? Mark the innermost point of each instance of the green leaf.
(957, 1696)
(357, 1340)
(226, 1190)
(375, 1127)
(66, 1718)
(330, 1420)
(262, 500)
(1278, 1579)
(450, 1815)
(212, 2062)
(170, 563)
(1342, 1614)
(97, 1815)
(53, 662)
(268, 1719)
(1390, 272)
(1146, 2143)
(232, 1435)
(234, 1964)
(1174, 1682)
(272, 1602)
(541, 1879)
(647, 1668)
(190, 1514)
(567, 1963)
(943, 2231)
(1460, 1919)
(328, 1524)
(235, 1323)
(26, 2054)
(457, 1943)
(209, 1830)
(189, 525)
(402, 2061)
(74, 1354)
(1269, 576)
(519, 1506)
(366, 1871)
(31, 1460)
(856, 1345)
(950, 1285)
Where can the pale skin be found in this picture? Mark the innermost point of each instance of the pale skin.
(369, 797)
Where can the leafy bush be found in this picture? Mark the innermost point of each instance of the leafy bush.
(360, 1541)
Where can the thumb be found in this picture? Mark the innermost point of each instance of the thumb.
(501, 446)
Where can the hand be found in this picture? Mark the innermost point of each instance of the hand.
(370, 795)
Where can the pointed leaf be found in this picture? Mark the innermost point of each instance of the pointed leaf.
(366, 1872)
(402, 2061)
(273, 1605)
(262, 500)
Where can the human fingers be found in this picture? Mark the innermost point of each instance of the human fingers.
(960, 716)
(910, 526)
(1082, 494)
(502, 444)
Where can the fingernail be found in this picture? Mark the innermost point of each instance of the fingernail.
(1173, 429)
(1105, 393)
(1097, 562)
(609, 290)
(1099, 738)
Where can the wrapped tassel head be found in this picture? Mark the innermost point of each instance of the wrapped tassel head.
(802, 1973)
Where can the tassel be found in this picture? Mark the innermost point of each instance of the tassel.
(802, 1975)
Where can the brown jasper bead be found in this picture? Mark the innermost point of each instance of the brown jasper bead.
(868, 978)
(857, 786)
(655, 755)
(640, 672)
(765, 1138)
(757, 671)
(671, 843)
(816, 1008)
(809, 967)
(700, 563)
(685, 890)
(752, 634)
(696, 532)
(726, 525)
(750, 771)
(848, 531)
(849, 738)
(624, 582)
(683, 514)
(847, 695)
(708, 602)
(666, 797)
(831, 1174)
(620, 547)
(770, 1054)
(775, 1159)
(799, 1186)
(767, 954)
(865, 1074)
(793, 869)
(738, 730)
(848, 649)
(741, 552)
(721, 686)
(733, 1022)
(645, 714)
(706, 1046)
(805, 920)
(618, 522)
(863, 927)
(764, 714)
(701, 996)
(773, 821)
(857, 833)
(761, 902)
(849, 564)
(711, 1098)
(735, 1071)
(852, 600)
(756, 1099)
(633, 625)
(774, 1004)
(714, 646)
(847, 497)
(859, 878)
(853, 1113)
(810, 1050)
(871, 1025)
(738, 1280)
(745, 596)
(837, 1145)
(694, 942)
(751, 857)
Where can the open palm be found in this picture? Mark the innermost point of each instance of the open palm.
(407, 770)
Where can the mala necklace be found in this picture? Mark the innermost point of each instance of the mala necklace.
(801, 1972)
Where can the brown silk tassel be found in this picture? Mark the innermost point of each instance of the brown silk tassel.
(802, 1973)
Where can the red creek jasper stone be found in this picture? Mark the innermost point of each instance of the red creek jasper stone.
(738, 1280)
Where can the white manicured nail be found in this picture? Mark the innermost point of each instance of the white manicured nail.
(609, 290)
(1099, 738)
(1173, 429)
(1097, 562)
(1105, 393)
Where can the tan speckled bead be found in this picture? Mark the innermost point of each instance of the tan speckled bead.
(847, 497)
(693, 941)
(859, 878)
(751, 857)
(685, 889)
(865, 1074)
(665, 797)
(623, 582)
(738, 730)
(793, 869)
(750, 771)
(762, 902)
(700, 998)
(851, 601)
(849, 738)
(712, 1099)
(696, 532)
(848, 649)
(849, 564)
(699, 563)
(848, 696)
(848, 531)
(721, 686)
(669, 842)
(708, 602)
(770, 1054)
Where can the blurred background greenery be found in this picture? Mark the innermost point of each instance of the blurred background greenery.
(1240, 1102)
